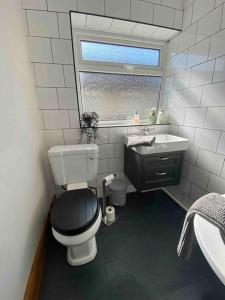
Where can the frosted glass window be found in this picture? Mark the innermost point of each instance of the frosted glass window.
(94, 51)
(119, 96)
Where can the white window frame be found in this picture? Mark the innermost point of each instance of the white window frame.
(114, 68)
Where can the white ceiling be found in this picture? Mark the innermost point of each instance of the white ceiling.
(106, 24)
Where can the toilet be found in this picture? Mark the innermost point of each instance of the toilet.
(76, 214)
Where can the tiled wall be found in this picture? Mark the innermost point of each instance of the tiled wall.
(50, 51)
(194, 94)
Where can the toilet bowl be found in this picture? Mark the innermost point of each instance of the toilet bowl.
(75, 219)
(76, 215)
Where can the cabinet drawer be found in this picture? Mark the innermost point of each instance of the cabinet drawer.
(161, 175)
(165, 160)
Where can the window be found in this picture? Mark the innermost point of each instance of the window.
(95, 51)
(118, 96)
(117, 77)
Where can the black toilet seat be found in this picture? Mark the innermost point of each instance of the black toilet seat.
(74, 212)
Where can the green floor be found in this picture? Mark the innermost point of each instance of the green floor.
(136, 259)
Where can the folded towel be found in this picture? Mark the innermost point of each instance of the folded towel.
(135, 140)
(212, 208)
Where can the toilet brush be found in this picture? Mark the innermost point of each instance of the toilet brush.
(108, 213)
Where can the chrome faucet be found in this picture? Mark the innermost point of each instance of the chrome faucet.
(147, 130)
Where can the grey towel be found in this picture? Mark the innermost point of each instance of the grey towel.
(147, 140)
(212, 208)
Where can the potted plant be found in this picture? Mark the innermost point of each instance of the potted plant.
(89, 122)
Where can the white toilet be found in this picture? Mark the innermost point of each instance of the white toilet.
(76, 214)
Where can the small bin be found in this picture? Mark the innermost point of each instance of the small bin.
(118, 191)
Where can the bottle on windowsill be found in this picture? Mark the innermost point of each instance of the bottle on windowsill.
(136, 118)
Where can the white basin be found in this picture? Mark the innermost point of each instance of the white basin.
(163, 143)
(211, 244)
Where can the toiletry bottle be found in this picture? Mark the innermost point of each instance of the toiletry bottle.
(136, 118)
(162, 117)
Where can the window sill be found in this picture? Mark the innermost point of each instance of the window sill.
(126, 123)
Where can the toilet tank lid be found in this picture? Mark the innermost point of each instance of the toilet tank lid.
(73, 150)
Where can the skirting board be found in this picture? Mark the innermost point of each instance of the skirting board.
(34, 280)
(175, 199)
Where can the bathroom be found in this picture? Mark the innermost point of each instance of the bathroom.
(176, 101)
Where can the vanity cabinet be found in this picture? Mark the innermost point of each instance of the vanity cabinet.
(149, 171)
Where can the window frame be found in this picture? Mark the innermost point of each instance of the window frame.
(111, 67)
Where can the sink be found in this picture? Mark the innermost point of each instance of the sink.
(163, 143)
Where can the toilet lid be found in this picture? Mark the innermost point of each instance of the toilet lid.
(74, 212)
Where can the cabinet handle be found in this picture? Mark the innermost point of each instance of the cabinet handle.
(161, 173)
(162, 158)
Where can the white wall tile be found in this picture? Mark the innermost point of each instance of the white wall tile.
(74, 118)
(215, 118)
(202, 74)
(219, 71)
(117, 134)
(62, 51)
(187, 132)
(179, 61)
(91, 6)
(62, 6)
(198, 53)
(187, 37)
(196, 192)
(192, 97)
(47, 98)
(103, 136)
(163, 16)
(119, 150)
(64, 25)
(56, 119)
(176, 116)
(221, 145)
(216, 185)
(67, 98)
(217, 45)
(213, 95)
(178, 19)
(210, 161)
(195, 117)
(184, 186)
(182, 79)
(209, 24)
(198, 176)
(191, 155)
(106, 151)
(223, 171)
(69, 76)
(187, 17)
(53, 138)
(111, 8)
(116, 164)
(207, 139)
(49, 75)
(39, 49)
(71, 136)
(218, 2)
(141, 11)
(173, 3)
(201, 8)
(34, 4)
(42, 23)
(174, 99)
(223, 19)
(103, 166)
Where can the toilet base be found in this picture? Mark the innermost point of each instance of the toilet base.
(83, 253)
